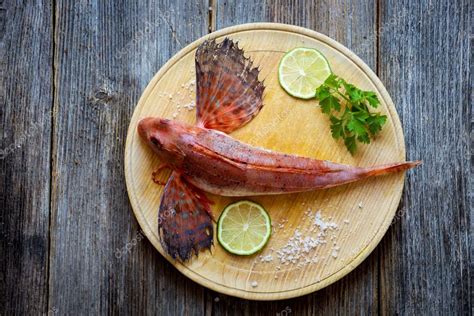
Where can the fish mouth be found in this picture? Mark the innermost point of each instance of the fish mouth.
(145, 126)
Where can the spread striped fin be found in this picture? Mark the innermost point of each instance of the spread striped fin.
(184, 219)
(229, 93)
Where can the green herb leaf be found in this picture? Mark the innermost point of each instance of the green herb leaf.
(375, 123)
(371, 97)
(350, 143)
(347, 108)
(330, 103)
(364, 138)
(337, 129)
(356, 126)
(332, 82)
(322, 92)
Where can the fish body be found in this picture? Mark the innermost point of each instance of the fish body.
(217, 163)
(204, 158)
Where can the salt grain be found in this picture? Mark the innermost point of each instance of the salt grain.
(318, 221)
(298, 250)
(267, 258)
(190, 106)
(297, 247)
(254, 284)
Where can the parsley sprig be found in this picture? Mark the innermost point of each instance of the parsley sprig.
(348, 110)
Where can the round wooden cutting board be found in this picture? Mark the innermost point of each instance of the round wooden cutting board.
(318, 237)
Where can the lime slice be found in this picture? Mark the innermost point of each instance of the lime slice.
(243, 228)
(301, 71)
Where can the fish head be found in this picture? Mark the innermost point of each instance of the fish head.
(165, 137)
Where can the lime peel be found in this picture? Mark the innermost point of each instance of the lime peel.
(302, 71)
(243, 228)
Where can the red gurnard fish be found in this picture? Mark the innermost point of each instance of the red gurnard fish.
(203, 158)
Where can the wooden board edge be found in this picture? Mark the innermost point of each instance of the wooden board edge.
(243, 293)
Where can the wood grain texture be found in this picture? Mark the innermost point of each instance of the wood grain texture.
(106, 52)
(352, 23)
(25, 136)
(425, 63)
(274, 128)
(102, 50)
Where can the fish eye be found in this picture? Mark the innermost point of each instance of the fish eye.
(156, 142)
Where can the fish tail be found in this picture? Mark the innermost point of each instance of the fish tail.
(347, 174)
(389, 168)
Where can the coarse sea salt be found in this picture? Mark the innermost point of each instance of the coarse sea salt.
(190, 106)
(179, 100)
(299, 249)
(266, 258)
(318, 221)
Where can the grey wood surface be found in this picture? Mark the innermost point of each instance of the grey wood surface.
(71, 74)
(424, 62)
(25, 155)
(105, 54)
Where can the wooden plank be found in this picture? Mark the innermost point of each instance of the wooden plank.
(352, 24)
(104, 58)
(106, 53)
(425, 65)
(25, 140)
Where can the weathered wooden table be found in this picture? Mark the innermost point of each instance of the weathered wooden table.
(71, 74)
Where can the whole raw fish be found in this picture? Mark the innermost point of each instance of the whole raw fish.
(204, 158)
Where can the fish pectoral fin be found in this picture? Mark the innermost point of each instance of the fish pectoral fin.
(229, 93)
(184, 219)
(155, 174)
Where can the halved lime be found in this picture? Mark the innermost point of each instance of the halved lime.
(302, 70)
(243, 228)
